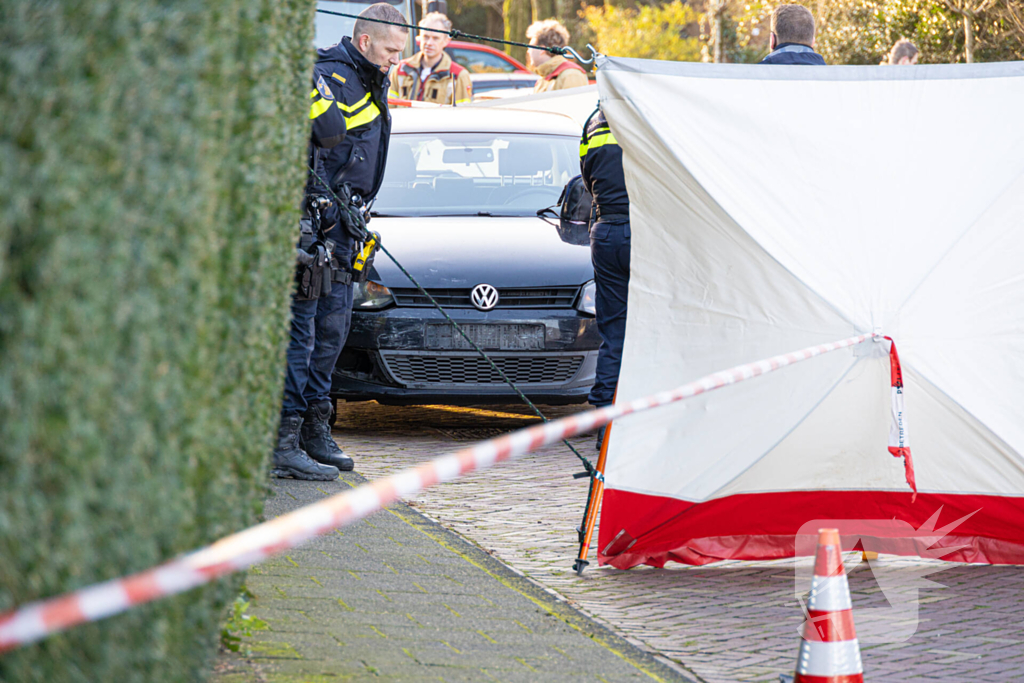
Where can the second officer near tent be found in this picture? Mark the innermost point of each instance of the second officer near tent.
(350, 78)
(601, 168)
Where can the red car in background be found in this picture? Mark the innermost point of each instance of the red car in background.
(494, 73)
(481, 59)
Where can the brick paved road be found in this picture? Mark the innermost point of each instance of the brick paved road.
(729, 622)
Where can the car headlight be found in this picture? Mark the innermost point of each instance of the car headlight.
(369, 296)
(588, 299)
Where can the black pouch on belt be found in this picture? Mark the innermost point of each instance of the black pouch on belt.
(313, 267)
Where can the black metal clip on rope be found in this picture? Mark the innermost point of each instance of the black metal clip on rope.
(590, 471)
(456, 34)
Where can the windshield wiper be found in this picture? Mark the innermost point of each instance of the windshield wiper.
(484, 213)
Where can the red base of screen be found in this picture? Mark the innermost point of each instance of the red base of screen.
(647, 529)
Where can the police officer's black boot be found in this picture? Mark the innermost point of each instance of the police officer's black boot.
(290, 461)
(316, 438)
(600, 437)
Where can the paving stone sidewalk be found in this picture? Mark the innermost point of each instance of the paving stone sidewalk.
(731, 621)
(397, 597)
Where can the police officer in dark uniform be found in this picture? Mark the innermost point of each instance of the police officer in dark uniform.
(351, 85)
(792, 37)
(601, 168)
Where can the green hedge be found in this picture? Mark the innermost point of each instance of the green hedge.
(151, 166)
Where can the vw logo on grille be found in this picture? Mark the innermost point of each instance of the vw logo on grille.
(484, 297)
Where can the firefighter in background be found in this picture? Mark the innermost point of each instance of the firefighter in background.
(556, 72)
(602, 174)
(430, 75)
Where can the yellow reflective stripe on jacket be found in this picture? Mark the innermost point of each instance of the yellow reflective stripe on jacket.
(468, 99)
(352, 107)
(319, 107)
(604, 137)
(362, 117)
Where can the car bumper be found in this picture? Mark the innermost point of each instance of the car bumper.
(395, 356)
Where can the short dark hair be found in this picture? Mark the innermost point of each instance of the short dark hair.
(902, 48)
(793, 24)
(382, 11)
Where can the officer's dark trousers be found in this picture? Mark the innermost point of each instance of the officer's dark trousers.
(609, 252)
(318, 333)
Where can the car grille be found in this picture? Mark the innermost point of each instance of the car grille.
(522, 297)
(471, 369)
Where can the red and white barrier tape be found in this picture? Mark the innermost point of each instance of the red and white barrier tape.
(899, 436)
(238, 551)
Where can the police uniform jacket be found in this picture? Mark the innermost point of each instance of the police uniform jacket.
(601, 168)
(794, 53)
(559, 73)
(347, 82)
(447, 83)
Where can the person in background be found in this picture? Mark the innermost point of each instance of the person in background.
(430, 75)
(603, 176)
(903, 53)
(349, 145)
(792, 37)
(555, 71)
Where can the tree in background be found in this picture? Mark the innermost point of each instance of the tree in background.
(969, 11)
(518, 16)
(669, 31)
(863, 31)
(482, 17)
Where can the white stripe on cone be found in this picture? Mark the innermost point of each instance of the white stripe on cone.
(829, 594)
(829, 659)
(28, 624)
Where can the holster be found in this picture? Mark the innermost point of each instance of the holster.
(313, 270)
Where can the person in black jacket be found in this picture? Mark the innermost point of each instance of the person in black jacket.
(350, 87)
(792, 37)
(601, 169)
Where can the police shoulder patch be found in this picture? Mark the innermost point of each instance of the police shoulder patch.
(321, 87)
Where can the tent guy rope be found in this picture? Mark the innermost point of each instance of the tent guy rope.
(238, 551)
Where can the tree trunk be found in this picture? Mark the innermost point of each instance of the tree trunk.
(969, 37)
(495, 24)
(517, 18)
(715, 9)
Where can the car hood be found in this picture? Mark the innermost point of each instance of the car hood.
(463, 251)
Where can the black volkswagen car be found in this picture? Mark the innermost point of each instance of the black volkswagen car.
(459, 208)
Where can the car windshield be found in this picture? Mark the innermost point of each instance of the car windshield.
(475, 174)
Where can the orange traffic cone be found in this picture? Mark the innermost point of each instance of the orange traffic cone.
(829, 652)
